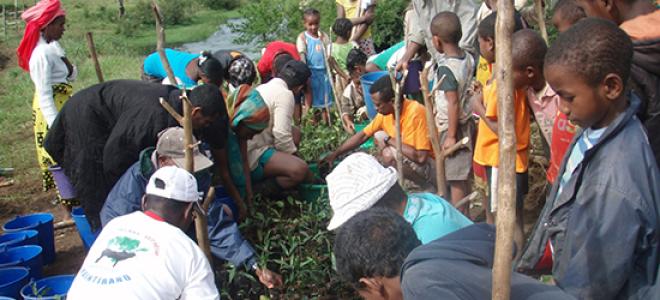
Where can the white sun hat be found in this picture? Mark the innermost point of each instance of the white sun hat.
(174, 183)
(356, 184)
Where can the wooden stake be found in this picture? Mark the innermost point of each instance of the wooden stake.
(506, 184)
(398, 101)
(201, 223)
(160, 44)
(433, 130)
(540, 16)
(92, 51)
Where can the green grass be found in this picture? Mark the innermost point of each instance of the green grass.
(120, 57)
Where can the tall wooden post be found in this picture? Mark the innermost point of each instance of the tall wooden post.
(398, 103)
(506, 186)
(95, 59)
(540, 16)
(160, 44)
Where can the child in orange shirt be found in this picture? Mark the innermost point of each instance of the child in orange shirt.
(486, 151)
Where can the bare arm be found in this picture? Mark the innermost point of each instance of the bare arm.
(418, 156)
(480, 109)
(351, 143)
(411, 49)
(341, 13)
(246, 172)
(452, 113)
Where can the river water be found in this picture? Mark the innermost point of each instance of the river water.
(223, 39)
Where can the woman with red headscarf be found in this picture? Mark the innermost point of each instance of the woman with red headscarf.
(40, 54)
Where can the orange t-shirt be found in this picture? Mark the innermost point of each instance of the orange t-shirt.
(644, 27)
(414, 131)
(486, 149)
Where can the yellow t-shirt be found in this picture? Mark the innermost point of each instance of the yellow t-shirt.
(486, 149)
(351, 10)
(414, 131)
(484, 71)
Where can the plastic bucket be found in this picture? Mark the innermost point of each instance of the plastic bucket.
(54, 287)
(313, 192)
(23, 256)
(370, 142)
(43, 223)
(367, 80)
(62, 182)
(84, 230)
(12, 280)
(18, 238)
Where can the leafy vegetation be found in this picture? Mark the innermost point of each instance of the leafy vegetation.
(319, 139)
(387, 28)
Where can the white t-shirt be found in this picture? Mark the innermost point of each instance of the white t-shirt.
(139, 257)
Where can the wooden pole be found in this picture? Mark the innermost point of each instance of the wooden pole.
(4, 20)
(398, 101)
(540, 16)
(201, 223)
(506, 180)
(95, 59)
(433, 130)
(160, 44)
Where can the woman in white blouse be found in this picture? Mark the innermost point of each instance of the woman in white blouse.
(41, 54)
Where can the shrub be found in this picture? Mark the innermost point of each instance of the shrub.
(220, 4)
(387, 28)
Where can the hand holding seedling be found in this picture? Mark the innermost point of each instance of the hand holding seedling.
(269, 278)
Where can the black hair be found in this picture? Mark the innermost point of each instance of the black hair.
(447, 27)
(528, 49)
(308, 12)
(210, 66)
(209, 99)
(393, 198)
(486, 28)
(294, 73)
(374, 242)
(383, 86)
(342, 28)
(593, 48)
(169, 207)
(354, 59)
(280, 60)
(570, 11)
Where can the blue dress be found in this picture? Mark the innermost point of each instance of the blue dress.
(178, 61)
(320, 82)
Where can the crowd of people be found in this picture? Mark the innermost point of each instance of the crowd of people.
(593, 92)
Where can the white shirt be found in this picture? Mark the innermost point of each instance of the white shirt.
(278, 135)
(138, 257)
(47, 69)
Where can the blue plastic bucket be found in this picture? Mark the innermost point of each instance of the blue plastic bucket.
(23, 256)
(367, 80)
(84, 230)
(43, 223)
(54, 287)
(12, 280)
(18, 238)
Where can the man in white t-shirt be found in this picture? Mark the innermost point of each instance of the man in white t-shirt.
(146, 255)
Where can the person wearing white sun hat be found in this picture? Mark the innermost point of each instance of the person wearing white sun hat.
(360, 182)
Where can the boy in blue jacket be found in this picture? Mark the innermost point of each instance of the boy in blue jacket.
(600, 224)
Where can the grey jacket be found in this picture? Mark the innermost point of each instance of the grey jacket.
(604, 227)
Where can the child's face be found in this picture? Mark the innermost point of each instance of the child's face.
(312, 24)
(560, 23)
(356, 74)
(487, 49)
(585, 105)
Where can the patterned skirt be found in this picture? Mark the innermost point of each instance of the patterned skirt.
(61, 93)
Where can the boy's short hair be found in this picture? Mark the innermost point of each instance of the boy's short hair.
(342, 28)
(528, 49)
(280, 60)
(354, 59)
(486, 28)
(569, 10)
(374, 242)
(308, 12)
(392, 198)
(593, 48)
(294, 73)
(447, 26)
(383, 86)
(209, 99)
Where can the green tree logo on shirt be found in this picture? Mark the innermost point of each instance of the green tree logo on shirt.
(121, 248)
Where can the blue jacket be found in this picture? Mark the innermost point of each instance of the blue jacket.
(605, 225)
(225, 238)
(459, 266)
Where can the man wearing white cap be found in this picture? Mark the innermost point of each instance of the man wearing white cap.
(146, 255)
(360, 182)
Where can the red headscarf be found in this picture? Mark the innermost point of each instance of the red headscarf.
(36, 17)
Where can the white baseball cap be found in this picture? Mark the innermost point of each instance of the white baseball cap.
(174, 183)
(356, 184)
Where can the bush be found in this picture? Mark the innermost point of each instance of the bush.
(387, 28)
(175, 12)
(220, 4)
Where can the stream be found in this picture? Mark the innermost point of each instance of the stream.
(223, 38)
